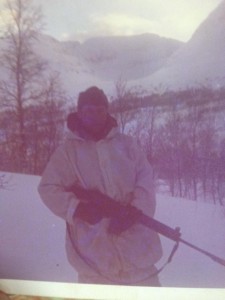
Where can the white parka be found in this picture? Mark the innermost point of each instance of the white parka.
(117, 167)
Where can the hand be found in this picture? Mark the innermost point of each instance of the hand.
(88, 212)
(126, 217)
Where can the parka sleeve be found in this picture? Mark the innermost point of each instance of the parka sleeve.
(144, 192)
(57, 177)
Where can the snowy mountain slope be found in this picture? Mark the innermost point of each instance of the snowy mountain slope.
(200, 61)
(102, 61)
(129, 57)
(75, 74)
(32, 238)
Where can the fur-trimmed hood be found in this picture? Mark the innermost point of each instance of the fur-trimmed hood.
(75, 126)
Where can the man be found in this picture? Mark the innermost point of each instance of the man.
(97, 166)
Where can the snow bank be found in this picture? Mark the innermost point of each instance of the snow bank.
(32, 238)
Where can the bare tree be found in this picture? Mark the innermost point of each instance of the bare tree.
(124, 104)
(169, 144)
(45, 126)
(23, 67)
(121, 96)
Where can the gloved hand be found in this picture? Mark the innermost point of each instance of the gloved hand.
(125, 218)
(93, 206)
(88, 212)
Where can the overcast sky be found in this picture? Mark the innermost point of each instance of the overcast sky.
(80, 19)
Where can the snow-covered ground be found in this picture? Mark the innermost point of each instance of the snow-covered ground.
(32, 238)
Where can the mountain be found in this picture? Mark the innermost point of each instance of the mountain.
(104, 60)
(61, 57)
(128, 57)
(200, 61)
(146, 60)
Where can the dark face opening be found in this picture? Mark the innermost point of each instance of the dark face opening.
(93, 117)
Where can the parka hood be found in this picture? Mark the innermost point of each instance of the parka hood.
(75, 127)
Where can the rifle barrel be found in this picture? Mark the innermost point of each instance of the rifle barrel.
(174, 234)
(161, 228)
(212, 256)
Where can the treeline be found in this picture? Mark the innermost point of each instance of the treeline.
(183, 140)
(183, 136)
(42, 133)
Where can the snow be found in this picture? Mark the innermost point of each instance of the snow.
(32, 238)
(127, 57)
(104, 60)
(202, 225)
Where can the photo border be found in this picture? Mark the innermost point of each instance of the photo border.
(105, 292)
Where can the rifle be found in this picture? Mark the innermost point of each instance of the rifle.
(111, 207)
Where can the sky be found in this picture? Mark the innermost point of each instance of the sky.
(82, 19)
